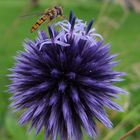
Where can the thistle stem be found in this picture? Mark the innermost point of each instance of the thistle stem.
(130, 132)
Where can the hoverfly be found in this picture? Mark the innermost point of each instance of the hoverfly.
(48, 15)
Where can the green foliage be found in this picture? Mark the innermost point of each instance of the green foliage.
(13, 129)
(119, 27)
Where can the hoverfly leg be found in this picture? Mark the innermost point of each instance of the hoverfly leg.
(62, 17)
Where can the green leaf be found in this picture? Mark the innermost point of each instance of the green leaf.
(13, 129)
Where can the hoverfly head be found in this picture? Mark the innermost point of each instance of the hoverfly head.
(59, 9)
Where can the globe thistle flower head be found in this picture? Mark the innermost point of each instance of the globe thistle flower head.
(64, 81)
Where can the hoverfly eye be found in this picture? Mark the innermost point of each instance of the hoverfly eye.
(56, 7)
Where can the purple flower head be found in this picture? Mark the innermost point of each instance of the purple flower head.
(64, 81)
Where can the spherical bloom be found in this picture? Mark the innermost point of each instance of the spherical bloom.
(64, 81)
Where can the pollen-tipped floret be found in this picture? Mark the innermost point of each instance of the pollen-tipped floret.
(64, 81)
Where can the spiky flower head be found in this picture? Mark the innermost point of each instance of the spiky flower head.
(64, 81)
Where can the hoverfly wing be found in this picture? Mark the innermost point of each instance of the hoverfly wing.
(31, 15)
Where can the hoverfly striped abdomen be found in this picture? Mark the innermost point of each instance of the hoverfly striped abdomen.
(49, 15)
(39, 22)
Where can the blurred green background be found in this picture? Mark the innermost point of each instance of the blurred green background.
(118, 24)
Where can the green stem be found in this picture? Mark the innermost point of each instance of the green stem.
(119, 126)
(130, 132)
